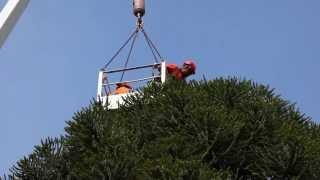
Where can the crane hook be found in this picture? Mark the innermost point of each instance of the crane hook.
(139, 11)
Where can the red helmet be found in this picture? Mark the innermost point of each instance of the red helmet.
(191, 64)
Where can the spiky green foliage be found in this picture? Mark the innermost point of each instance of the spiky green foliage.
(220, 129)
(46, 162)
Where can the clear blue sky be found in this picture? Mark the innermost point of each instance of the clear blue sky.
(49, 64)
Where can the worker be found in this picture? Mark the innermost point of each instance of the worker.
(188, 68)
(123, 88)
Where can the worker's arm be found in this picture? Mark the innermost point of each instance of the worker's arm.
(172, 68)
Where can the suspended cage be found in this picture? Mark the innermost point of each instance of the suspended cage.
(108, 95)
(112, 93)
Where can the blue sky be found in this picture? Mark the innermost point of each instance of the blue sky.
(49, 64)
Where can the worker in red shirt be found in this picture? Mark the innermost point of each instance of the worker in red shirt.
(188, 68)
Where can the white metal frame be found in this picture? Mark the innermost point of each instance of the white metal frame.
(113, 101)
(9, 16)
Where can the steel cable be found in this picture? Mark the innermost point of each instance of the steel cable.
(129, 55)
(124, 45)
(151, 49)
(149, 40)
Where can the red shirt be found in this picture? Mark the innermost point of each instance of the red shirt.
(175, 71)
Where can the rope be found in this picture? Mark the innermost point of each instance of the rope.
(124, 45)
(130, 51)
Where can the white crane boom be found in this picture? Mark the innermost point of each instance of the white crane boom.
(9, 16)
